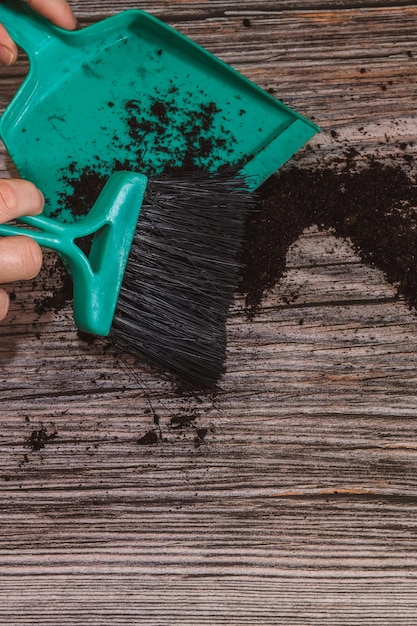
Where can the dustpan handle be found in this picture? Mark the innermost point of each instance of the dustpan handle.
(28, 29)
(97, 278)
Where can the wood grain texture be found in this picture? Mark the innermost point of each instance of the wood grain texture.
(288, 498)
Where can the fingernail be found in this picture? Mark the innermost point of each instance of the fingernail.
(40, 203)
(6, 56)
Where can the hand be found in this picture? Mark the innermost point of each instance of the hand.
(57, 11)
(20, 257)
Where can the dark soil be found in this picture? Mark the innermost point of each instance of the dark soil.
(375, 207)
(189, 146)
(85, 189)
(39, 438)
(56, 298)
(148, 439)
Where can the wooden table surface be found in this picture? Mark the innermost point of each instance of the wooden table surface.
(289, 498)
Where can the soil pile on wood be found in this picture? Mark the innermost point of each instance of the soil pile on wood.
(376, 208)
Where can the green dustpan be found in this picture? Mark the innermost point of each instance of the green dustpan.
(131, 93)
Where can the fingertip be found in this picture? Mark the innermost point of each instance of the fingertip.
(56, 11)
(7, 56)
(4, 304)
(21, 259)
(39, 202)
(33, 259)
(8, 49)
(19, 197)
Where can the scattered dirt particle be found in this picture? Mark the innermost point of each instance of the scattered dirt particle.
(86, 337)
(39, 438)
(149, 439)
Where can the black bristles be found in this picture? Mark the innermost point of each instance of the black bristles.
(181, 275)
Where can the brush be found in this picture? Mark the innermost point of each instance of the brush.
(161, 269)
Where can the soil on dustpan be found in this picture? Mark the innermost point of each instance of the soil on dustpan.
(196, 151)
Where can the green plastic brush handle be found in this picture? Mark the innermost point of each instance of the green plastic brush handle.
(97, 278)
